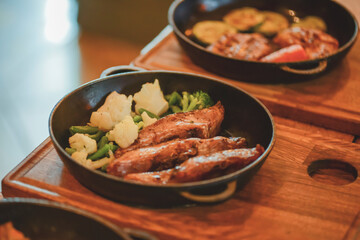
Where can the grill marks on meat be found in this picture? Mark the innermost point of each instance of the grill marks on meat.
(204, 123)
(242, 46)
(169, 154)
(316, 43)
(201, 167)
(186, 144)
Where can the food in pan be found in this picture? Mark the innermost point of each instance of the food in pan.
(274, 23)
(316, 43)
(169, 154)
(202, 167)
(268, 37)
(312, 22)
(8, 232)
(202, 123)
(244, 18)
(209, 32)
(183, 132)
(242, 46)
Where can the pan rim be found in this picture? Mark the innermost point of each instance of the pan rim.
(66, 208)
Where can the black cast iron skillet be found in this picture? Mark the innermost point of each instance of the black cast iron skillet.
(44, 220)
(342, 25)
(244, 116)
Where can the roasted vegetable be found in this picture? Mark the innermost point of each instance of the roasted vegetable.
(151, 98)
(104, 140)
(103, 152)
(115, 109)
(70, 150)
(124, 133)
(274, 23)
(244, 19)
(83, 129)
(82, 143)
(313, 22)
(209, 32)
(150, 114)
(188, 102)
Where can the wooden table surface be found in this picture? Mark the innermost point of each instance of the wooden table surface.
(308, 188)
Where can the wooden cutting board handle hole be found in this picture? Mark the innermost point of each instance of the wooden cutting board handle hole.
(333, 172)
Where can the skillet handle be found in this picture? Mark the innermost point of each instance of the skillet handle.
(120, 69)
(133, 234)
(228, 192)
(321, 67)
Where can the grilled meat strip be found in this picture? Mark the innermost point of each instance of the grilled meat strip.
(169, 154)
(316, 43)
(247, 46)
(202, 167)
(204, 123)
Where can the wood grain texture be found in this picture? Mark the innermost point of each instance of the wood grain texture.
(330, 101)
(281, 202)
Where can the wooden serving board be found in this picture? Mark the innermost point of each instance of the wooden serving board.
(281, 202)
(330, 101)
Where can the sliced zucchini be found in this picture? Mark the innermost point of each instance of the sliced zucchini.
(274, 23)
(311, 22)
(209, 32)
(244, 18)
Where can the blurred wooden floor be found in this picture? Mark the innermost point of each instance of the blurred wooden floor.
(35, 72)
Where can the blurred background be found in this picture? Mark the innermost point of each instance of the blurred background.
(50, 47)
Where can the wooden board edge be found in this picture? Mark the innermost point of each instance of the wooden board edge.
(25, 165)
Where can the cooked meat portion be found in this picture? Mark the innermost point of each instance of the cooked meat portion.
(169, 154)
(316, 43)
(204, 123)
(9, 232)
(242, 46)
(202, 167)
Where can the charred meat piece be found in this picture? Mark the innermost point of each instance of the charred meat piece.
(204, 123)
(202, 167)
(242, 46)
(169, 154)
(316, 43)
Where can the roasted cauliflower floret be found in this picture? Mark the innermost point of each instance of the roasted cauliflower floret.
(81, 157)
(83, 143)
(147, 120)
(116, 108)
(151, 98)
(124, 133)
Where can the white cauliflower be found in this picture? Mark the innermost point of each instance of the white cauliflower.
(115, 108)
(147, 120)
(80, 157)
(83, 143)
(151, 98)
(124, 133)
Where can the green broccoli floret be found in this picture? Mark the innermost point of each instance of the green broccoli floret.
(188, 102)
(204, 99)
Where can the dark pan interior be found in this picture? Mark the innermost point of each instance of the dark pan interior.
(340, 24)
(43, 222)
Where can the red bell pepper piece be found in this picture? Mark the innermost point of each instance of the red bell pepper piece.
(292, 53)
